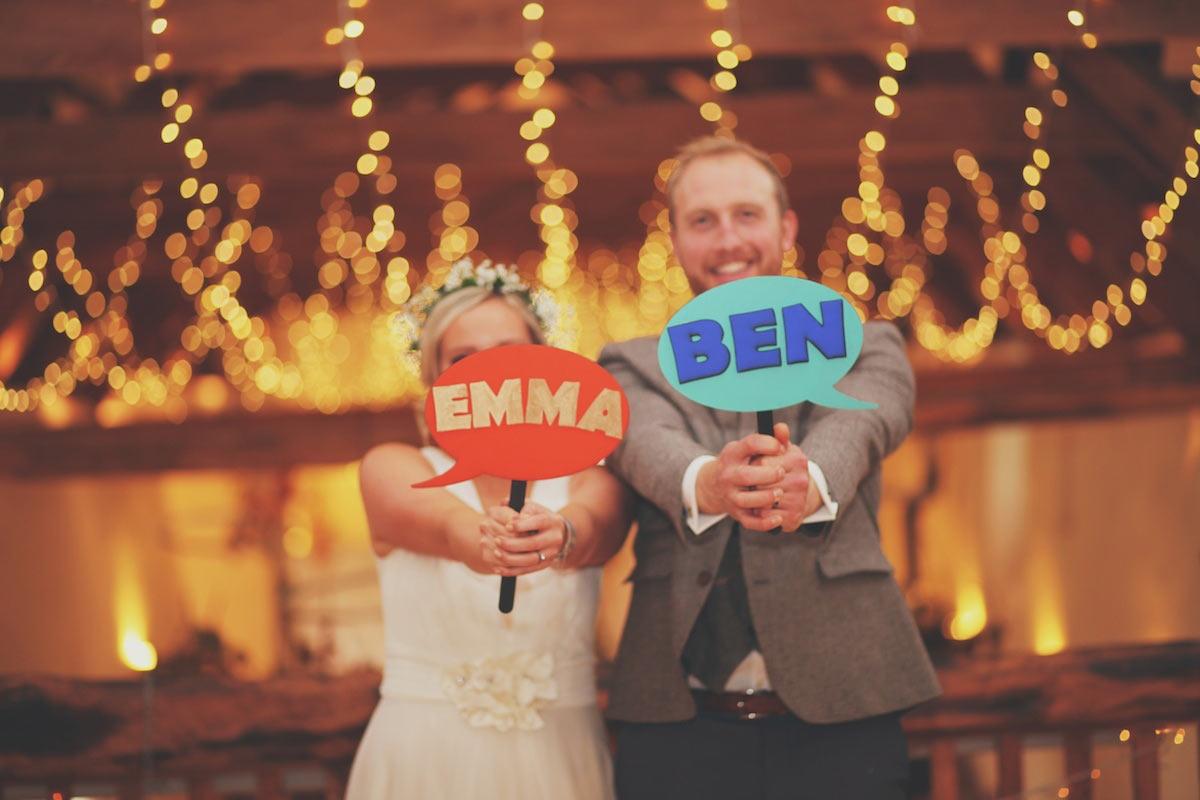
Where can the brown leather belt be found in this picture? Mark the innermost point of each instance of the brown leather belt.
(750, 705)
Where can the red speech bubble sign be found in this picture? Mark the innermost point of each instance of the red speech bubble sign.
(524, 412)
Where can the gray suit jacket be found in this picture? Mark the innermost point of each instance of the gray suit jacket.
(837, 637)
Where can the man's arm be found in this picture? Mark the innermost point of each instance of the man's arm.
(848, 444)
(658, 445)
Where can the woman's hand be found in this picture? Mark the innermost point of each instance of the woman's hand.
(517, 544)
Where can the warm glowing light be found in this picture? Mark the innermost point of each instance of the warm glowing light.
(378, 140)
(710, 111)
(158, 25)
(298, 541)
(970, 615)
(533, 11)
(354, 28)
(1048, 633)
(724, 80)
(364, 85)
(721, 38)
(367, 163)
(1075, 17)
(137, 653)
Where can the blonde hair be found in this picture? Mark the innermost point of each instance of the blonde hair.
(712, 146)
(451, 307)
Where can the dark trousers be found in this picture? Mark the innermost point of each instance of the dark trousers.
(721, 757)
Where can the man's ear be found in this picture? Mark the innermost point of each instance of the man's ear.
(789, 226)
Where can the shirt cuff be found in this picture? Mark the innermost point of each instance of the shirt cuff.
(695, 520)
(700, 522)
(827, 511)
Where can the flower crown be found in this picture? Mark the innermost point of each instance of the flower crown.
(500, 279)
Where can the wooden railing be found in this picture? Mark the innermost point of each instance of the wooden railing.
(1144, 696)
(294, 737)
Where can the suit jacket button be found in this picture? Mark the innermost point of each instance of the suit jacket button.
(704, 578)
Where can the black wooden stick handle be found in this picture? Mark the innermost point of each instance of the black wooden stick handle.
(508, 584)
(766, 426)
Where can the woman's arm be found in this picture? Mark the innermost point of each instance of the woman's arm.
(599, 507)
(428, 521)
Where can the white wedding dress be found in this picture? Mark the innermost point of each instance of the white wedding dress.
(479, 704)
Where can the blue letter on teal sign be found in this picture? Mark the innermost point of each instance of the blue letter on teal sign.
(801, 327)
(698, 350)
(754, 339)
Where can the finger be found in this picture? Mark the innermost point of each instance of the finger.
(754, 445)
(756, 475)
(502, 514)
(491, 529)
(536, 522)
(516, 572)
(547, 542)
(767, 522)
(757, 498)
(792, 461)
(531, 508)
(783, 434)
(523, 560)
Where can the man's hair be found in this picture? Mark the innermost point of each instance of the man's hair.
(709, 146)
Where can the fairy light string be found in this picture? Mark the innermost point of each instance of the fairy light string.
(865, 237)
(299, 351)
(1065, 787)
(661, 284)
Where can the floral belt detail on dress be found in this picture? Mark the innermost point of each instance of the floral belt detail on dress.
(504, 692)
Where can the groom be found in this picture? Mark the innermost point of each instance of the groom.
(756, 665)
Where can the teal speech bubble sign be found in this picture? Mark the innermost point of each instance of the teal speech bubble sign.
(763, 343)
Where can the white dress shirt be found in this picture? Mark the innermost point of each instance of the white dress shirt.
(751, 674)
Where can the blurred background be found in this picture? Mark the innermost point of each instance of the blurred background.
(209, 213)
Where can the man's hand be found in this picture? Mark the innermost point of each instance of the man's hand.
(799, 495)
(736, 485)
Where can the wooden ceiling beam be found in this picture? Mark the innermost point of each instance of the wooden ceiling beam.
(97, 38)
(1136, 106)
(621, 139)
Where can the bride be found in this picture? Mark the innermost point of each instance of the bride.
(475, 703)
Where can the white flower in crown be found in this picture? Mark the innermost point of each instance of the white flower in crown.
(501, 279)
(504, 692)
